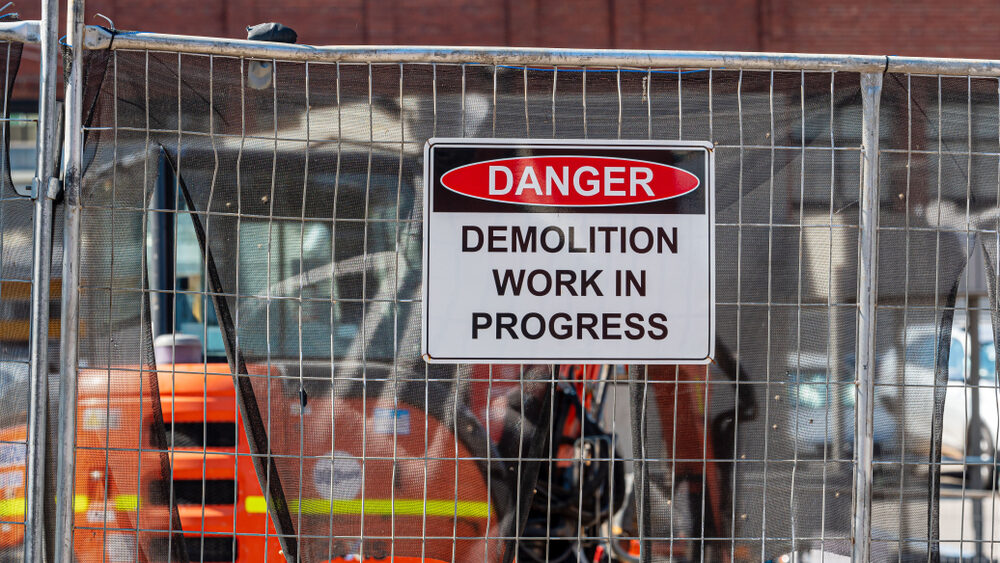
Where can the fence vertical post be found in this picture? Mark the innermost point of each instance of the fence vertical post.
(45, 190)
(69, 343)
(871, 93)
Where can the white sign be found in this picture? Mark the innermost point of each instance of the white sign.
(568, 251)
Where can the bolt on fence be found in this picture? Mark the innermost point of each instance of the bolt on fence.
(240, 366)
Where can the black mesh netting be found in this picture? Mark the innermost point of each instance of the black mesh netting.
(774, 416)
(310, 239)
(122, 448)
(750, 458)
(303, 187)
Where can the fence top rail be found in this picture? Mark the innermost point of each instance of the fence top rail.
(99, 38)
(28, 31)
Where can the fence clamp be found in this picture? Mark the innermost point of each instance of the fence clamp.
(53, 189)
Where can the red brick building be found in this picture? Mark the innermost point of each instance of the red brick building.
(970, 28)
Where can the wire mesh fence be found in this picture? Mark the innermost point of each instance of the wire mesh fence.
(242, 310)
(15, 290)
(294, 202)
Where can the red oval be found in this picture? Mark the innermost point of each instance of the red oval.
(570, 181)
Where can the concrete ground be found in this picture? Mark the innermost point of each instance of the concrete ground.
(960, 532)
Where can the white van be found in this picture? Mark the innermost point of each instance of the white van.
(958, 405)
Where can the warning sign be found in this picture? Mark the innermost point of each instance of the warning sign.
(568, 251)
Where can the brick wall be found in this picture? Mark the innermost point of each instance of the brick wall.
(969, 28)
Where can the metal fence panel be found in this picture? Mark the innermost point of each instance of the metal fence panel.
(937, 280)
(26, 229)
(302, 194)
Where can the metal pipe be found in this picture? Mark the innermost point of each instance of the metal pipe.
(46, 188)
(69, 343)
(100, 38)
(864, 437)
(29, 31)
(38, 400)
(951, 67)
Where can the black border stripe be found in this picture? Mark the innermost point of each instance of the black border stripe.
(709, 186)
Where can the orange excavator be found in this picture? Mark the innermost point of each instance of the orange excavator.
(421, 495)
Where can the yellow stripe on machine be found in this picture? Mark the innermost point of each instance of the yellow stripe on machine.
(16, 506)
(12, 507)
(128, 503)
(379, 507)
